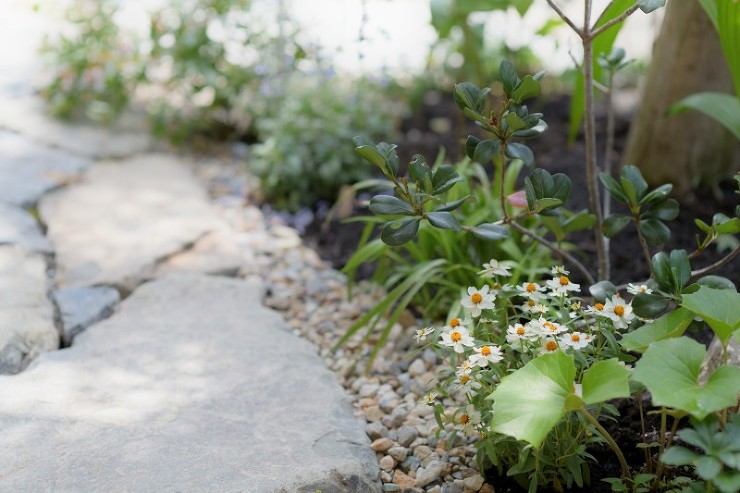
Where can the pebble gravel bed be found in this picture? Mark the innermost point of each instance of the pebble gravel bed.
(313, 299)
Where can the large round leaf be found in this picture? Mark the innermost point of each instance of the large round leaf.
(719, 308)
(670, 371)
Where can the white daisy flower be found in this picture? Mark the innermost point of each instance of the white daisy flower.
(464, 369)
(561, 286)
(531, 290)
(527, 306)
(466, 383)
(596, 309)
(547, 328)
(452, 324)
(468, 420)
(559, 270)
(477, 300)
(421, 334)
(457, 339)
(638, 288)
(548, 345)
(486, 354)
(619, 312)
(517, 334)
(494, 268)
(540, 309)
(576, 340)
(429, 398)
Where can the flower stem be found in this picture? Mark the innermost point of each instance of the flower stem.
(605, 434)
(501, 168)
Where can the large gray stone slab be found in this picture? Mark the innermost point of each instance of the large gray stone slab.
(26, 313)
(123, 218)
(27, 116)
(82, 307)
(28, 169)
(19, 227)
(191, 386)
(216, 253)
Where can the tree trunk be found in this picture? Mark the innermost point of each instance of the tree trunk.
(688, 148)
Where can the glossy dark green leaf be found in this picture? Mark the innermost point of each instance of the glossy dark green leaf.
(666, 210)
(633, 174)
(467, 95)
(579, 222)
(662, 271)
(443, 220)
(680, 267)
(388, 151)
(515, 150)
(615, 223)
(490, 231)
(613, 187)
(443, 178)
(514, 122)
(629, 190)
(658, 194)
(451, 206)
(561, 187)
(526, 89)
(716, 282)
(369, 153)
(387, 204)
(418, 169)
(399, 232)
(529, 192)
(509, 78)
(470, 144)
(649, 305)
(486, 150)
(654, 231)
(534, 131)
(542, 183)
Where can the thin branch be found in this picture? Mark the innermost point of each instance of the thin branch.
(601, 87)
(570, 258)
(603, 13)
(565, 18)
(723, 261)
(598, 30)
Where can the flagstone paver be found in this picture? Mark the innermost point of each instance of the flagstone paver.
(113, 227)
(19, 227)
(191, 386)
(79, 308)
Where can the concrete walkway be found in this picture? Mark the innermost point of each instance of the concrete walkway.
(189, 384)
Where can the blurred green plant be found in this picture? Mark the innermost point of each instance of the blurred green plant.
(305, 154)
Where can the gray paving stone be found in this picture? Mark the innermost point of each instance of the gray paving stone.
(28, 169)
(26, 313)
(124, 218)
(216, 253)
(27, 116)
(19, 227)
(82, 307)
(191, 386)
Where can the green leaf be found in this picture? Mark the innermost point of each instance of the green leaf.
(678, 456)
(716, 282)
(399, 232)
(579, 222)
(386, 204)
(656, 195)
(605, 380)
(451, 206)
(514, 121)
(723, 108)
(707, 467)
(728, 25)
(668, 326)
(418, 169)
(670, 371)
(614, 188)
(531, 401)
(509, 78)
(662, 271)
(490, 231)
(561, 187)
(602, 290)
(486, 150)
(443, 220)
(615, 223)
(728, 227)
(728, 481)
(468, 95)
(634, 176)
(515, 150)
(371, 155)
(543, 204)
(526, 89)
(719, 308)
(470, 144)
(648, 6)
(649, 305)
(654, 231)
(680, 267)
(666, 210)
(444, 178)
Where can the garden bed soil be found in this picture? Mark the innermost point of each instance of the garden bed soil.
(436, 125)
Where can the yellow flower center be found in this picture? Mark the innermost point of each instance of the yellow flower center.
(531, 287)
(454, 322)
(551, 326)
(643, 288)
(464, 379)
(551, 345)
(476, 298)
(619, 310)
(520, 330)
(530, 303)
(496, 286)
(485, 350)
(456, 336)
(599, 306)
(564, 281)
(464, 419)
(575, 337)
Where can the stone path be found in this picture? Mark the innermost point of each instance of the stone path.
(189, 384)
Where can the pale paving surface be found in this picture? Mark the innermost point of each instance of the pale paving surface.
(191, 386)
